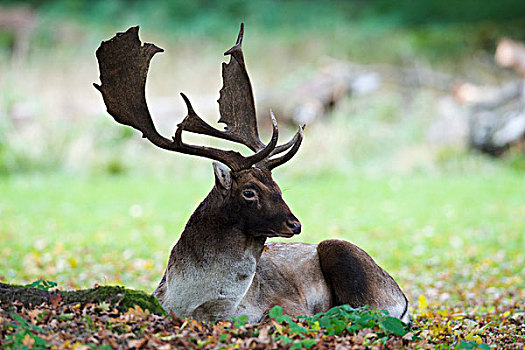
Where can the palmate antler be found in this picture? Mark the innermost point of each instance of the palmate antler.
(124, 65)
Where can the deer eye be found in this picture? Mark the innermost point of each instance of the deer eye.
(249, 194)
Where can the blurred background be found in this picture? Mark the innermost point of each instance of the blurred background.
(414, 146)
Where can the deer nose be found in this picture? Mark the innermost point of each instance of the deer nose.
(294, 226)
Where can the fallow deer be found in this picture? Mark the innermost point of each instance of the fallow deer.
(221, 265)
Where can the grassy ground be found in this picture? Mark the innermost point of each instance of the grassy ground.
(453, 241)
(82, 231)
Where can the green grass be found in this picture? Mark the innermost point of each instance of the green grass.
(98, 230)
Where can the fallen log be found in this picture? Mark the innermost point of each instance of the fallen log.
(497, 113)
(494, 131)
(318, 94)
(116, 296)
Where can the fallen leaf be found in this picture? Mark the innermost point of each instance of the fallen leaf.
(55, 299)
(422, 303)
(28, 341)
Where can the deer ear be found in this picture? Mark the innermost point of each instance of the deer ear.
(223, 176)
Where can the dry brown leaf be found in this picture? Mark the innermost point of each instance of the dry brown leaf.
(33, 314)
(28, 341)
(138, 343)
(55, 299)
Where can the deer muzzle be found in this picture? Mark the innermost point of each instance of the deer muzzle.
(294, 225)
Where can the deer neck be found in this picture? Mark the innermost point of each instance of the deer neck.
(213, 231)
(213, 264)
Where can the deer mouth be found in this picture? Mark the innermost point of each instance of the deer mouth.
(292, 228)
(273, 234)
(283, 235)
(286, 227)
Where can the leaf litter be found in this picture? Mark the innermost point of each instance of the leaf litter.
(490, 324)
(462, 303)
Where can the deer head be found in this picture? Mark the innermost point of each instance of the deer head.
(254, 201)
(244, 184)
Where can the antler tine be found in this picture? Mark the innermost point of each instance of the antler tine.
(232, 159)
(195, 124)
(239, 37)
(285, 146)
(275, 162)
(238, 43)
(265, 152)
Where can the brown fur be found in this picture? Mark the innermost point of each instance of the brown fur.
(354, 277)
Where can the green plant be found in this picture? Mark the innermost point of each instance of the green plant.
(24, 337)
(468, 345)
(239, 321)
(346, 318)
(335, 321)
(42, 284)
